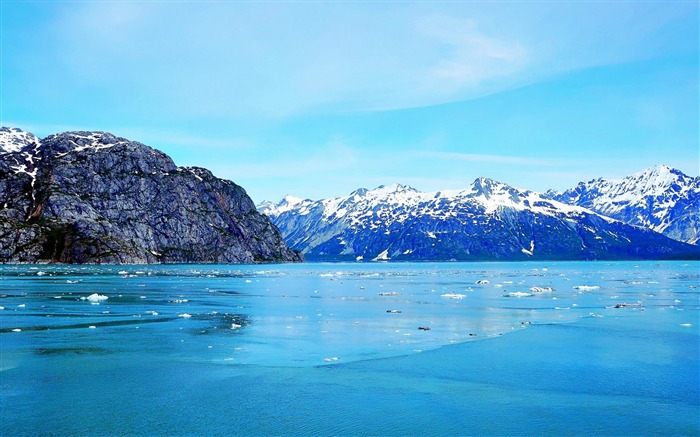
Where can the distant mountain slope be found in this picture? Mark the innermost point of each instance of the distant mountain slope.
(488, 221)
(659, 198)
(91, 197)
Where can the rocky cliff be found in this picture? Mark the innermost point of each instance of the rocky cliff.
(92, 197)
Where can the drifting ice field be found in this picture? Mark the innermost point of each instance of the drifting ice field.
(428, 348)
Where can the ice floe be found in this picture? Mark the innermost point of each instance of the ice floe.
(518, 294)
(586, 287)
(95, 298)
(542, 289)
(454, 295)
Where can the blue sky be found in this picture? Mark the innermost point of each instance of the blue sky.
(317, 99)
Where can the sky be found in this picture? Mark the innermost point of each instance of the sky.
(317, 99)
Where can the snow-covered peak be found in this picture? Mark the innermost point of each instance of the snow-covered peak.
(90, 141)
(397, 203)
(490, 188)
(291, 200)
(660, 198)
(390, 189)
(653, 181)
(13, 140)
(288, 203)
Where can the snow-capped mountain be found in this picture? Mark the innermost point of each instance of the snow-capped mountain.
(487, 221)
(659, 198)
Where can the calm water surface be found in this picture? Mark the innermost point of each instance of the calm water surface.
(326, 349)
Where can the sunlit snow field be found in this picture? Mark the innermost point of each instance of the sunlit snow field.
(378, 348)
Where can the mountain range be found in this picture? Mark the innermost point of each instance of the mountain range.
(92, 197)
(490, 220)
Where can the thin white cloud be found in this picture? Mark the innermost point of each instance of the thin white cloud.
(492, 159)
(235, 59)
(471, 56)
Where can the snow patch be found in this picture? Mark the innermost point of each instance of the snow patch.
(384, 256)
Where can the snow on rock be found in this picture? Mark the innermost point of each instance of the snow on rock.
(384, 256)
(13, 140)
(489, 220)
(660, 198)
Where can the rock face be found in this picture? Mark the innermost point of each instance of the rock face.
(488, 221)
(91, 197)
(659, 198)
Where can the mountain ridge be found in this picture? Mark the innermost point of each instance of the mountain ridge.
(489, 220)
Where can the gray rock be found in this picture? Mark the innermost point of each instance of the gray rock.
(91, 197)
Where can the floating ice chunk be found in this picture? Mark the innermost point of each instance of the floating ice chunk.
(95, 298)
(153, 313)
(687, 325)
(518, 294)
(542, 289)
(123, 272)
(2, 308)
(185, 315)
(21, 305)
(586, 287)
(92, 327)
(180, 301)
(454, 295)
(248, 281)
(625, 305)
(16, 330)
(40, 273)
(235, 326)
(331, 359)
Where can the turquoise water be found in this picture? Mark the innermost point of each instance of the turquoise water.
(336, 349)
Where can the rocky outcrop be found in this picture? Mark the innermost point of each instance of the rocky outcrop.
(92, 197)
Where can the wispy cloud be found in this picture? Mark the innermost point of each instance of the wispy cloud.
(491, 159)
(470, 55)
(279, 59)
